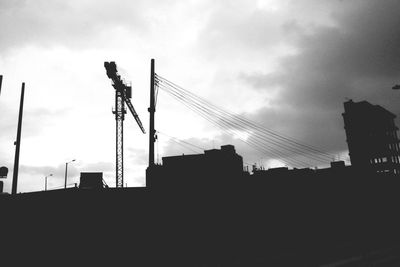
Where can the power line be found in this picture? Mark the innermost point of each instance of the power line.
(235, 124)
(226, 127)
(246, 121)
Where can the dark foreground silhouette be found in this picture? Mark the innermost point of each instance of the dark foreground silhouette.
(292, 221)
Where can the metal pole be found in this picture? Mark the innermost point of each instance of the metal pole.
(117, 165)
(1, 81)
(152, 110)
(18, 142)
(45, 184)
(66, 168)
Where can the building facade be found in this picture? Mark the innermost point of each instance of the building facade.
(372, 137)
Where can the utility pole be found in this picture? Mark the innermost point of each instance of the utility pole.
(45, 181)
(1, 81)
(66, 173)
(152, 110)
(18, 143)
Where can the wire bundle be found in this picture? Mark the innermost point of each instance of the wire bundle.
(270, 143)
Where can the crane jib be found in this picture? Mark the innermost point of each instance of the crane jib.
(132, 109)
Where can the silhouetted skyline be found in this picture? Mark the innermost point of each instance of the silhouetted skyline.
(287, 65)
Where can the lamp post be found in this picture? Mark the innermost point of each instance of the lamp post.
(45, 183)
(66, 171)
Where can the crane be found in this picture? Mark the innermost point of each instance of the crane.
(123, 94)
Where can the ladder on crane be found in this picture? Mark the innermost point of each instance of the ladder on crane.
(123, 94)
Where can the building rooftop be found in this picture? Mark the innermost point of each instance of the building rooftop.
(366, 107)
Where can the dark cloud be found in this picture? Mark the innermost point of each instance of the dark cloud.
(242, 29)
(234, 26)
(358, 57)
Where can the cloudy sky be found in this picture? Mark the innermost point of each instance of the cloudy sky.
(288, 65)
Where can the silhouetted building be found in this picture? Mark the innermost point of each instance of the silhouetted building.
(91, 180)
(338, 164)
(372, 137)
(3, 172)
(214, 168)
(337, 170)
(3, 175)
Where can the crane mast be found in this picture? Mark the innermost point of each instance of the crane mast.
(123, 93)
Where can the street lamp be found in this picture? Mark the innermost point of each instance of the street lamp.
(66, 171)
(45, 183)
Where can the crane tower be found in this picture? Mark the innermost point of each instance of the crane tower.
(123, 94)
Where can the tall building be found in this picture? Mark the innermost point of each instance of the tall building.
(372, 137)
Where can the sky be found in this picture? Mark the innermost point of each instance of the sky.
(287, 65)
